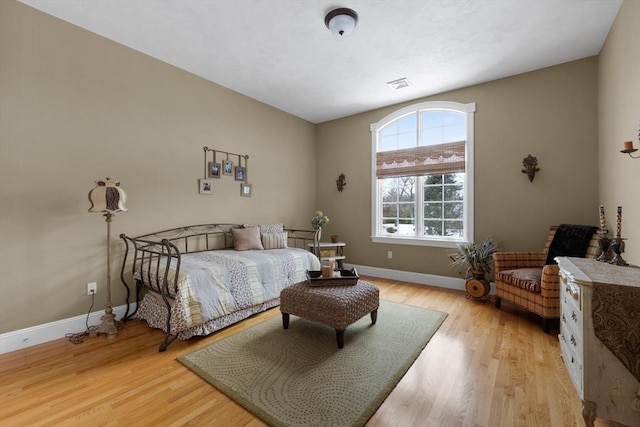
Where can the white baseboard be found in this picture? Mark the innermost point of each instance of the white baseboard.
(412, 277)
(39, 334)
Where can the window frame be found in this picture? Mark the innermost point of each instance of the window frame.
(468, 110)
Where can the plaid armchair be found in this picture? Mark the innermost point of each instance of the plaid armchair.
(523, 279)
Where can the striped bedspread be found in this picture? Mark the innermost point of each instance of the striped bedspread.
(215, 284)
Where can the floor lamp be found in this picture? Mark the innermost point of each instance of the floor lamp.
(108, 198)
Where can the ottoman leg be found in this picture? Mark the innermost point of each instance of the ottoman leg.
(340, 337)
(374, 316)
(285, 320)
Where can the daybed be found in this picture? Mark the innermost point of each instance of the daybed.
(202, 278)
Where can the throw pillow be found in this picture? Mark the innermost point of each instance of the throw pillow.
(245, 239)
(272, 228)
(275, 240)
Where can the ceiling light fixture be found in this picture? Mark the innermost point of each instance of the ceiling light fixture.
(342, 21)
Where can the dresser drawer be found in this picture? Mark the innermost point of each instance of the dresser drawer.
(573, 364)
(570, 315)
(573, 339)
(570, 293)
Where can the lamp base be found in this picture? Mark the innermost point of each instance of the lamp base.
(108, 327)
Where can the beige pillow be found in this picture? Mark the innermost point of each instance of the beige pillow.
(245, 239)
(272, 228)
(275, 240)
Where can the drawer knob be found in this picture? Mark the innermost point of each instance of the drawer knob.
(573, 341)
(574, 316)
(564, 319)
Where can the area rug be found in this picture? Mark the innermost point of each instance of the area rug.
(299, 377)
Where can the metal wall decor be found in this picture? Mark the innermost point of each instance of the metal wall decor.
(341, 182)
(530, 164)
(215, 167)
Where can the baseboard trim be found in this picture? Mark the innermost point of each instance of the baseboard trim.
(412, 277)
(23, 338)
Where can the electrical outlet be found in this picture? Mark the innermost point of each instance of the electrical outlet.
(390, 254)
(92, 288)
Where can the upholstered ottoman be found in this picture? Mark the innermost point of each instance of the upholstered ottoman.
(334, 306)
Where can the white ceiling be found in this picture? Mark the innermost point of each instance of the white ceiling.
(279, 51)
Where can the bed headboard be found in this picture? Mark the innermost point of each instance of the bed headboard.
(208, 237)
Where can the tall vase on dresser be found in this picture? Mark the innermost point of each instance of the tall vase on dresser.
(599, 330)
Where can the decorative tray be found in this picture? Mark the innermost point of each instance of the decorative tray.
(340, 278)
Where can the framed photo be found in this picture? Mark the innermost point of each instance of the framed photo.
(227, 167)
(245, 190)
(240, 173)
(206, 186)
(214, 170)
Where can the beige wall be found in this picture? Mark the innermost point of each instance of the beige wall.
(550, 114)
(619, 121)
(76, 108)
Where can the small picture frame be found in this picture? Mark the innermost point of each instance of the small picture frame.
(206, 186)
(227, 167)
(240, 173)
(245, 190)
(214, 170)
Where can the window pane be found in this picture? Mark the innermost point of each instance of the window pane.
(452, 118)
(431, 136)
(453, 133)
(453, 210)
(390, 210)
(431, 119)
(433, 179)
(407, 210)
(433, 228)
(408, 123)
(453, 192)
(454, 178)
(453, 229)
(433, 210)
(388, 143)
(407, 140)
(433, 194)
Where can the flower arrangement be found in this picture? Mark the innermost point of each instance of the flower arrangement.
(319, 220)
(477, 258)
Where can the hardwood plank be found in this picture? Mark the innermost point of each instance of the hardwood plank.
(484, 367)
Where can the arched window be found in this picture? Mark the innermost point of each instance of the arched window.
(423, 175)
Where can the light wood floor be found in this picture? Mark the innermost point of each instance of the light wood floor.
(484, 367)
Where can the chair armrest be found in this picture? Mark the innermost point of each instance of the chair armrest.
(513, 260)
(550, 283)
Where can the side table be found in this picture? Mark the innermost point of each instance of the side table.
(330, 251)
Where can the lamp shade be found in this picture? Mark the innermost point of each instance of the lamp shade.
(341, 22)
(107, 196)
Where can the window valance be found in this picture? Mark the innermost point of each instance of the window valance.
(424, 160)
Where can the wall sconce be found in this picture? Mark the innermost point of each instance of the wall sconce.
(628, 149)
(341, 182)
(530, 164)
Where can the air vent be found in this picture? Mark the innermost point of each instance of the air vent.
(399, 83)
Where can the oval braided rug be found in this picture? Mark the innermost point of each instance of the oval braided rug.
(298, 376)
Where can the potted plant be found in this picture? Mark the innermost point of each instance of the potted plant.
(477, 260)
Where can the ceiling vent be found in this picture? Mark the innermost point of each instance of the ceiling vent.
(399, 83)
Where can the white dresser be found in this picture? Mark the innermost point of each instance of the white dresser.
(607, 389)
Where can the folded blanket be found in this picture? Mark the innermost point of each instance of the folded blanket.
(570, 240)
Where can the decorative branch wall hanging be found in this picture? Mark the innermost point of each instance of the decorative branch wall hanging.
(214, 169)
